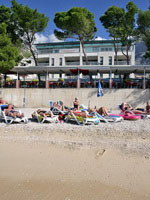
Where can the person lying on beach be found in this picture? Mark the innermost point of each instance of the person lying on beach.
(43, 113)
(59, 105)
(101, 111)
(3, 101)
(82, 113)
(85, 114)
(13, 113)
(128, 107)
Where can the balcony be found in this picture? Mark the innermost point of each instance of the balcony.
(43, 64)
(72, 63)
(121, 63)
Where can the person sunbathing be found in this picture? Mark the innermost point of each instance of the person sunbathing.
(128, 107)
(13, 113)
(59, 105)
(82, 113)
(43, 113)
(101, 111)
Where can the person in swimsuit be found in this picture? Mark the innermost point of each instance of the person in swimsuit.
(147, 107)
(76, 104)
(101, 111)
(43, 113)
(128, 107)
(13, 113)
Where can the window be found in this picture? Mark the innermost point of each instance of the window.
(56, 51)
(110, 60)
(101, 60)
(60, 61)
(52, 62)
(101, 75)
(95, 49)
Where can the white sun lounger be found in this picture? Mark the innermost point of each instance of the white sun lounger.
(41, 119)
(8, 119)
(81, 120)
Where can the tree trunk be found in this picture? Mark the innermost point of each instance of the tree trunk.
(5, 77)
(82, 44)
(128, 60)
(126, 55)
(35, 60)
(116, 51)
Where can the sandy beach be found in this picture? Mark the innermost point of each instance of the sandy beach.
(70, 162)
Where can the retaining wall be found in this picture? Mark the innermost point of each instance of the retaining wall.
(88, 96)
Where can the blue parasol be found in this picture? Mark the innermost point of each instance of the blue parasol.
(100, 90)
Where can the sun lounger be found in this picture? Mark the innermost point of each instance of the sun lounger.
(143, 116)
(72, 117)
(54, 107)
(10, 120)
(41, 119)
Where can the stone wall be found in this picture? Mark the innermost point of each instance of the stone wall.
(88, 96)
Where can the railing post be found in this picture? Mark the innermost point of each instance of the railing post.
(110, 80)
(17, 84)
(78, 83)
(17, 81)
(47, 84)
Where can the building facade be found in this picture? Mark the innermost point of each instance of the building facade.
(99, 52)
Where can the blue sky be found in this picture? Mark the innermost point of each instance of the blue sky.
(98, 7)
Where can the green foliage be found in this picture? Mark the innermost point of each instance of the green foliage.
(28, 22)
(9, 54)
(143, 22)
(112, 19)
(11, 28)
(76, 23)
(121, 25)
(127, 27)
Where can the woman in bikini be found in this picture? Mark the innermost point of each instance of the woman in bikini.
(13, 113)
(128, 107)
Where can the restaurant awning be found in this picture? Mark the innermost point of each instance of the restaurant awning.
(88, 69)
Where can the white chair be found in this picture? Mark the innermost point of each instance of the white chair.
(41, 119)
(9, 119)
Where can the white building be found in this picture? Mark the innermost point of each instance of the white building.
(99, 52)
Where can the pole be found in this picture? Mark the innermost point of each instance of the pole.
(110, 80)
(78, 80)
(24, 98)
(144, 80)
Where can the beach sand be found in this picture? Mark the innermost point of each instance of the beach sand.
(70, 162)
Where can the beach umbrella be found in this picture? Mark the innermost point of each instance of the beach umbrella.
(100, 90)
